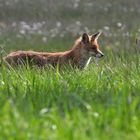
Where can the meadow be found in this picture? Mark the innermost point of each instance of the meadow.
(101, 102)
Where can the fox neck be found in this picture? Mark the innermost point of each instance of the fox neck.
(80, 57)
(83, 62)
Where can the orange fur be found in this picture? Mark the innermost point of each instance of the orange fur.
(84, 48)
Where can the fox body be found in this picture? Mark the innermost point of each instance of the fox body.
(79, 56)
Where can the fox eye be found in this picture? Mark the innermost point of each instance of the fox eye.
(93, 48)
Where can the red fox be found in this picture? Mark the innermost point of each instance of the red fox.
(79, 56)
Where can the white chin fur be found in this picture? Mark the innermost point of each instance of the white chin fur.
(92, 54)
(98, 55)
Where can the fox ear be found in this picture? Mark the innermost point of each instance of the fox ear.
(96, 36)
(85, 38)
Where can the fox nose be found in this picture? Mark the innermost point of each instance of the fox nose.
(102, 55)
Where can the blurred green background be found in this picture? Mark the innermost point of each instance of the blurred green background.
(35, 24)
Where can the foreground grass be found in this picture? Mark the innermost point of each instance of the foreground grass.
(101, 102)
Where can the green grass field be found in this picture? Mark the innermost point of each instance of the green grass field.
(101, 102)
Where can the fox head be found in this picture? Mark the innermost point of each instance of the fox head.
(90, 44)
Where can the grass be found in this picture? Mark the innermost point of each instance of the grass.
(101, 102)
